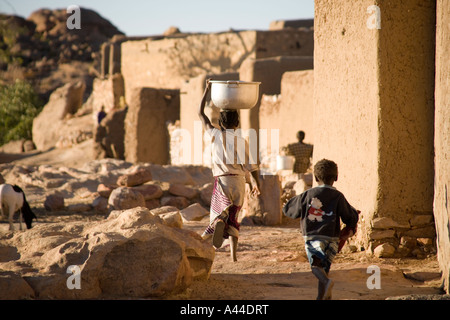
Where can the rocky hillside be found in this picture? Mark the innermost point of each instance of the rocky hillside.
(42, 50)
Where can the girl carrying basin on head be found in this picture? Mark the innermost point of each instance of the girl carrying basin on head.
(230, 172)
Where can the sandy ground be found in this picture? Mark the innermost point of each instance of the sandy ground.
(272, 263)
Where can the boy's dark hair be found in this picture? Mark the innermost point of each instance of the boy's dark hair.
(300, 135)
(229, 119)
(326, 171)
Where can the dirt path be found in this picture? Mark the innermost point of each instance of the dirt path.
(272, 265)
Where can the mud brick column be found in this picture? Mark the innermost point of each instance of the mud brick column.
(146, 134)
(373, 111)
(442, 140)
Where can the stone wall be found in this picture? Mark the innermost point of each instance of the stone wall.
(169, 61)
(442, 139)
(373, 111)
(146, 135)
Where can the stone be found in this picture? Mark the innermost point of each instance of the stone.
(178, 202)
(382, 234)
(131, 254)
(47, 126)
(195, 212)
(408, 242)
(100, 204)
(149, 191)
(183, 191)
(387, 223)
(54, 202)
(206, 193)
(421, 220)
(172, 219)
(425, 241)
(266, 208)
(125, 198)
(163, 210)
(384, 250)
(14, 287)
(171, 174)
(136, 178)
(422, 275)
(422, 232)
(105, 190)
(152, 204)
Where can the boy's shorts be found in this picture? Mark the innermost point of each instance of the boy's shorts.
(325, 250)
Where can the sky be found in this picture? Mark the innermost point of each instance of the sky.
(152, 17)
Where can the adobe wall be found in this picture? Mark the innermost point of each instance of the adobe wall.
(107, 92)
(169, 61)
(373, 98)
(269, 72)
(146, 133)
(406, 118)
(292, 110)
(442, 139)
(297, 92)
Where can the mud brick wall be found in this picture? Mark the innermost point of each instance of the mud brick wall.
(146, 133)
(292, 110)
(269, 72)
(168, 62)
(442, 139)
(373, 98)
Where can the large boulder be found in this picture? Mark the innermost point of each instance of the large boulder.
(130, 254)
(49, 126)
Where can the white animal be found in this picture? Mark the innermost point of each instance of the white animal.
(12, 199)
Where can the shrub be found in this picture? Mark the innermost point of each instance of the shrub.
(19, 104)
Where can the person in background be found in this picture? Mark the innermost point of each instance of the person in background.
(302, 153)
(101, 115)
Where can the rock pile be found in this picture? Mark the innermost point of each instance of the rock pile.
(110, 184)
(40, 47)
(415, 237)
(132, 253)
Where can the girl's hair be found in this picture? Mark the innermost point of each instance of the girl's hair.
(326, 171)
(229, 119)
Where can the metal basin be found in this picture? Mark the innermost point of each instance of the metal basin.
(233, 94)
